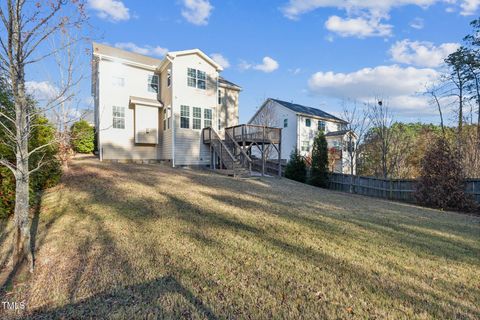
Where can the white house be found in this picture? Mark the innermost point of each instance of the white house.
(155, 109)
(300, 126)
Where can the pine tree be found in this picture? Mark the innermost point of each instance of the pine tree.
(319, 170)
(296, 168)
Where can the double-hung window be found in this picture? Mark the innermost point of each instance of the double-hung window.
(196, 78)
(153, 83)
(305, 146)
(308, 122)
(169, 77)
(219, 96)
(207, 118)
(321, 125)
(285, 122)
(118, 81)
(118, 117)
(185, 117)
(197, 118)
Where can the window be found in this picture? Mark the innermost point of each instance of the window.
(192, 77)
(207, 118)
(153, 83)
(197, 118)
(305, 146)
(219, 124)
(201, 80)
(196, 78)
(308, 122)
(185, 117)
(285, 123)
(321, 125)
(118, 81)
(118, 117)
(169, 78)
(219, 96)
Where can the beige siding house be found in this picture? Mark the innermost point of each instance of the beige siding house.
(155, 109)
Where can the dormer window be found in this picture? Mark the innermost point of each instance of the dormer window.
(196, 79)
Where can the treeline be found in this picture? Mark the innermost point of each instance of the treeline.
(408, 144)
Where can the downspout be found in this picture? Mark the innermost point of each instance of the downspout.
(97, 88)
(173, 116)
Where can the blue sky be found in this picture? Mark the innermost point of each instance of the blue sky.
(314, 52)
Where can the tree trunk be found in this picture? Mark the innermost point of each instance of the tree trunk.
(22, 246)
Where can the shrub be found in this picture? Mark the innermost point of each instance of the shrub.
(319, 169)
(83, 137)
(296, 168)
(442, 181)
(47, 176)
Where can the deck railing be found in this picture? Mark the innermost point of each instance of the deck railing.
(254, 133)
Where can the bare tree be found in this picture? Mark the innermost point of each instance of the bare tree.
(357, 126)
(381, 120)
(70, 74)
(28, 26)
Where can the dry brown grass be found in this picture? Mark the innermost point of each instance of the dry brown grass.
(146, 241)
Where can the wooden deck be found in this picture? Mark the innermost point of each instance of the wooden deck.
(233, 147)
(249, 134)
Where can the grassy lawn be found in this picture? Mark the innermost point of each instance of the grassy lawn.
(147, 241)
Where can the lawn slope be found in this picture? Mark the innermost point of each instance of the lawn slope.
(130, 241)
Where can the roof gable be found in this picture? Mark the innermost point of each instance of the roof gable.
(307, 110)
(174, 54)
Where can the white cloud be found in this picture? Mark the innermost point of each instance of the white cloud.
(422, 54)
(400, 86)
(469, 7)
(42, 90)
(113, 10)
(145, 50)
(367, 15)
(295, 71)
(417, 23)
(268, 65)
(221, 60)
(197, 11)
(358, 27)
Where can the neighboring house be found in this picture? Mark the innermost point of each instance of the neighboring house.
(300, 125)
(155, 109)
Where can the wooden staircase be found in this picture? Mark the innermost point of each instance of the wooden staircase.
(231, 149)
(233, 159)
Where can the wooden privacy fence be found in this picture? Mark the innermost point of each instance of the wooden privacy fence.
(394, 189)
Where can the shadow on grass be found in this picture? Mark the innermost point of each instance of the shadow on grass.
(141, 301)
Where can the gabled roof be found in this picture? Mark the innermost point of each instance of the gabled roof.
(226, 83)
(174, 54)
(102, 49)
(307, 110)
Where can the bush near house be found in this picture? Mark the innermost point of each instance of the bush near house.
(296, 168)
(83, 137)
(47, 176)
(442, 181)
(319, 168)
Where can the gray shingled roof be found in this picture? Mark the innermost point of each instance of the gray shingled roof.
(307, 110)
(226, 82)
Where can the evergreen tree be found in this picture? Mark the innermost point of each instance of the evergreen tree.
(319, 171)
(296, 168)
(83, 136)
